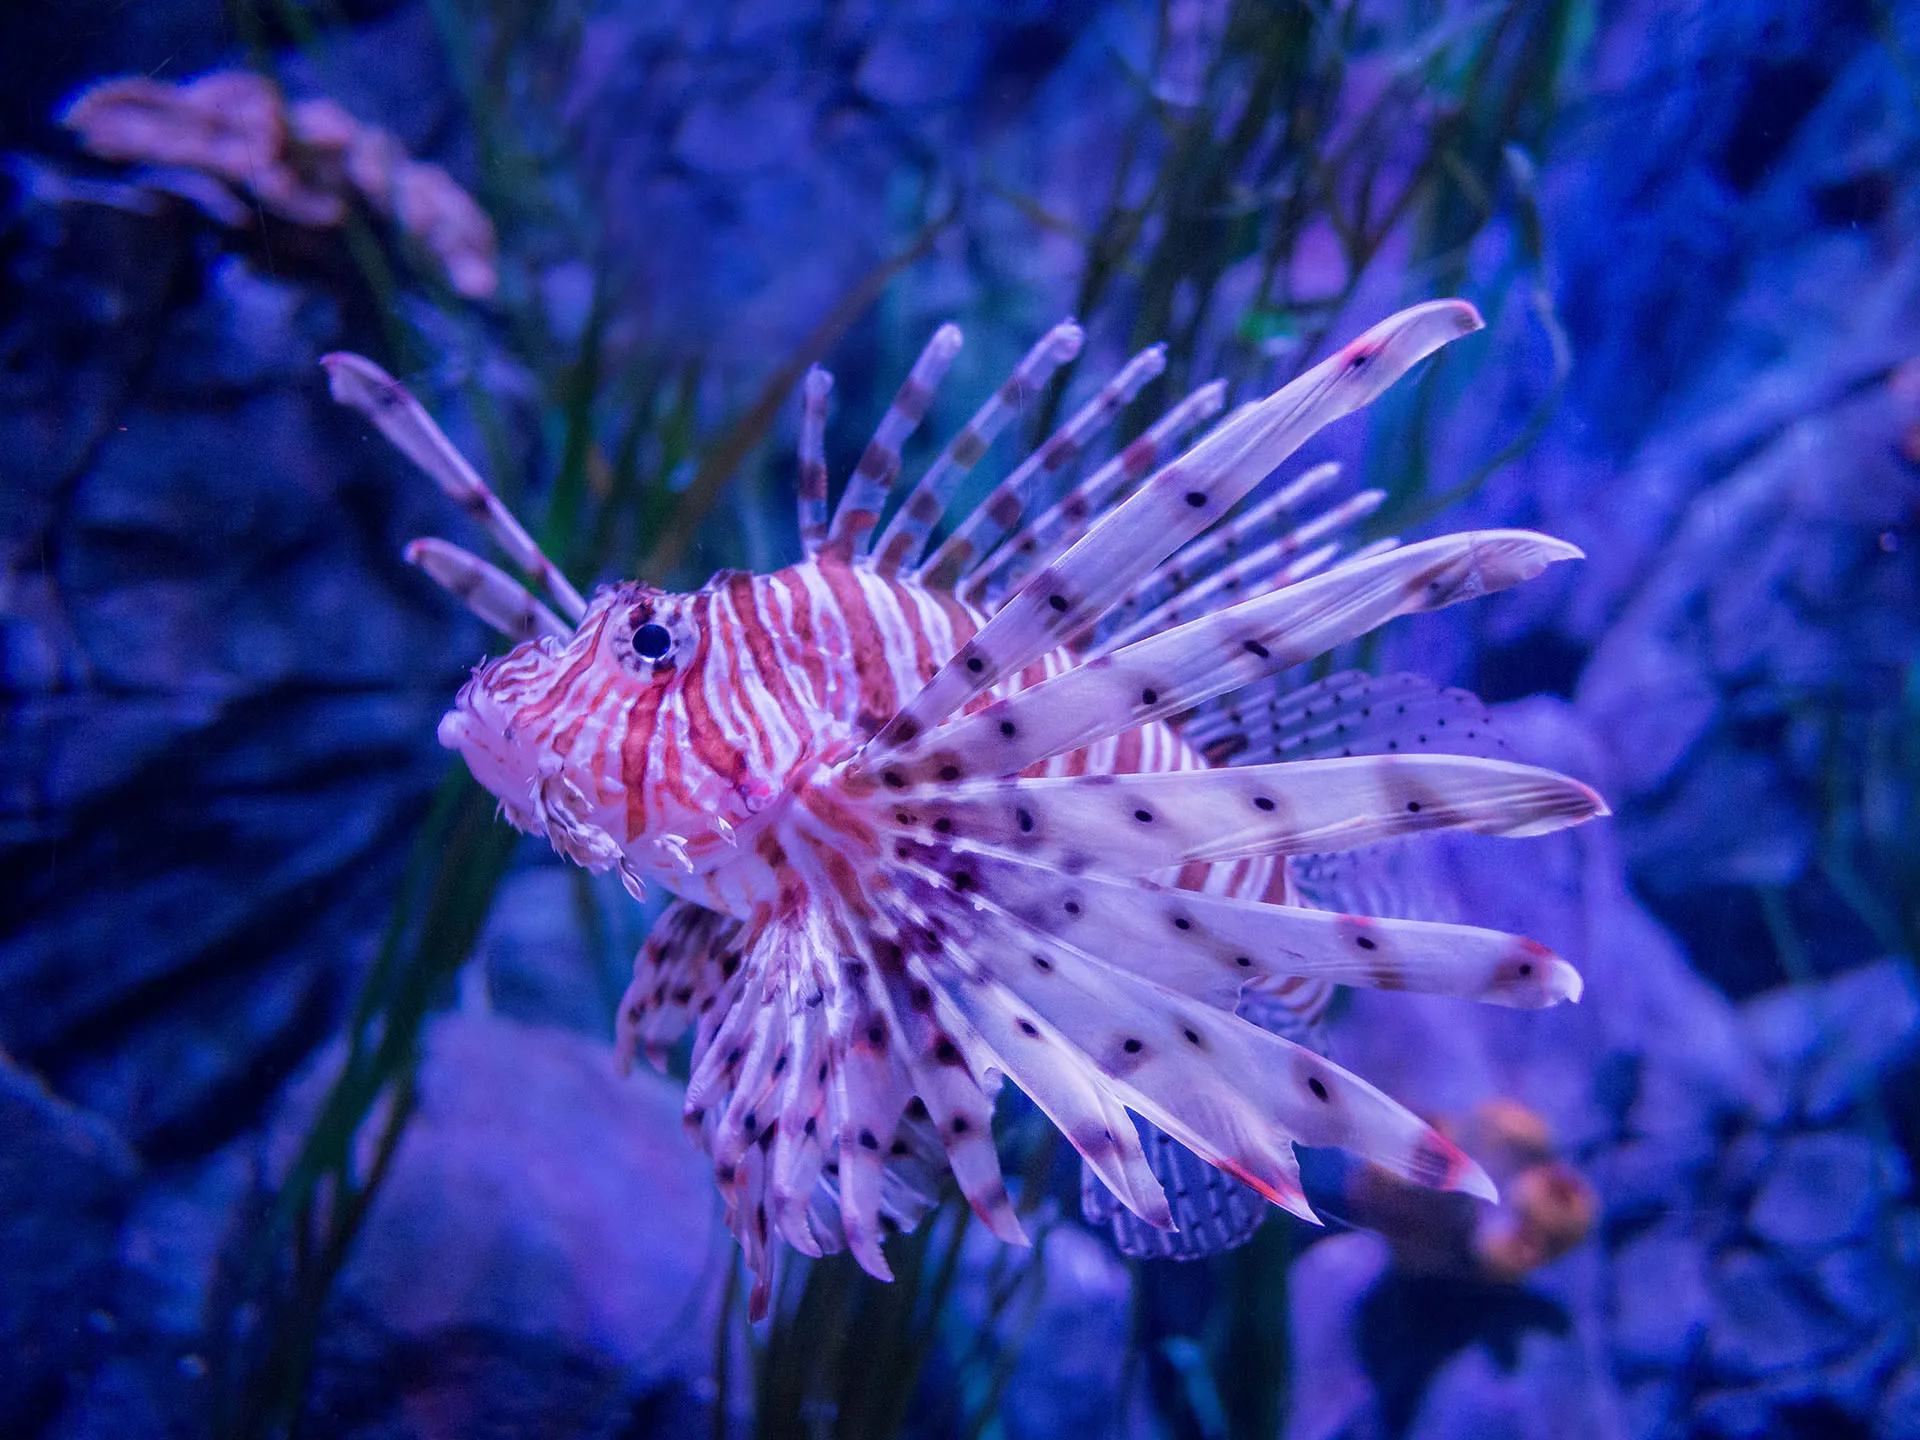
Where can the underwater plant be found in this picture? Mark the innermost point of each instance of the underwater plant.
(921, 825)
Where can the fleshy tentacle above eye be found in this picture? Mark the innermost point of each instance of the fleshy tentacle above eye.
(486, 590)
(811, 493)
(357, 382)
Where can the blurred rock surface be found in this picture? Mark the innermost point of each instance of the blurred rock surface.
(66, 1182)
(219, 669)
(541, 1261)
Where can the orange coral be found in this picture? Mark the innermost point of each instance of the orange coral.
(1545, 1209)
(304, 163)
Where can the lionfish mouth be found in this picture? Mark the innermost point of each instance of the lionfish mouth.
(1030, 871)
(480, 729)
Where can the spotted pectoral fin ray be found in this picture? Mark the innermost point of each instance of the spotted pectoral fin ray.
(1234, 1094)
(1229, 542)
(1212, 1211)
(1211, 947)
(1178, 669)
(942, 1066)
(1302, 551)
(822, 1087)
(680, 969)
(1133, 825)
(1059, 1080)
(1176, 504)
(799, 1144)
(486, 590)
(1066, 520)
(1049, 1064)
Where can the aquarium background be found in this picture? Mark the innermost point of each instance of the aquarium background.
(308, 1117)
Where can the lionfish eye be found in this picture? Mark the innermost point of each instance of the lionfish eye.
(652, 642)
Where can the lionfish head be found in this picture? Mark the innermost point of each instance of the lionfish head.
(618, 742)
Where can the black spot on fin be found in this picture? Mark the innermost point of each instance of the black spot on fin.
(1214, 1212)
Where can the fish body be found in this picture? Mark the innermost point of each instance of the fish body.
(652, 765)
(933, 821)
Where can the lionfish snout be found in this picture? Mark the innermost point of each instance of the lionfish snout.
(484, 728)
(526, 743)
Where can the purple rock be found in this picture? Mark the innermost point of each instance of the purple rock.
(1762, 1322)
(223, 679)
(535, 960)
(1549, 1394)
(65, 1182)
(1324, 1290)
(927, 62)
(154, 1379)
(1690, 1063)
(755, 131)
(1653, 704)
(1642, 1178)
(1821, 1189)
(542, 1247)
(1859, 1283)
(1826, 1046)
(1899, 1413)
(1660, 1300)
(1752, 1412)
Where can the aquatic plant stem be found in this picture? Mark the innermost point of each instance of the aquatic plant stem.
(746, 432)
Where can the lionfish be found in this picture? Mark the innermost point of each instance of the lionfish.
(1012, 806)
